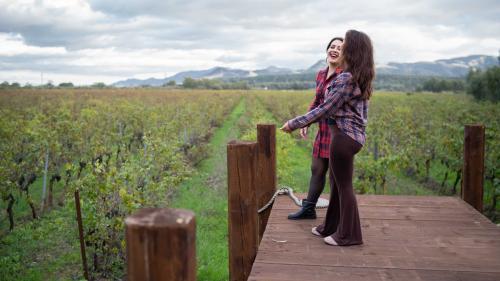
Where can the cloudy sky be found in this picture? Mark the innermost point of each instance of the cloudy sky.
(86, 41)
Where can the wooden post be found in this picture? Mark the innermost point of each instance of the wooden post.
(266, 169)
(242, 208)
(473, 170)
(80, 234)
(161, 245)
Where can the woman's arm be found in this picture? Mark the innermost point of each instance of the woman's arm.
(315, 102)
(337, 96)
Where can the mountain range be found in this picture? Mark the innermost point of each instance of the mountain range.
(454, 67)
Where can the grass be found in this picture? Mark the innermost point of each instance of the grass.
(205, 193)
(21, 209)
(48, 249)
(45, 249)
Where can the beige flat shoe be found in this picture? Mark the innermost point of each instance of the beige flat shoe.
(315, 231)
(329, 240)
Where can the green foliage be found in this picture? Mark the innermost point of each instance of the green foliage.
(291, 158)
(121, 151)
(205, 193)
(484, 85)
(438, 85)
(6, 85)
(410, 135)
(42, 250)
(66, 85)
(98, 85)
(130, 148)
(213, 84)
(170, 83)
(303, 81)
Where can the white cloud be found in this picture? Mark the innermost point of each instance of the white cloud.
(12, 45)
(109, 39)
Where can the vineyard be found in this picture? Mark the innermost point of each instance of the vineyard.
(130, 148)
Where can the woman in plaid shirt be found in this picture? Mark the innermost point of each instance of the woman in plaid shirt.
(346, 106)
(319, 165)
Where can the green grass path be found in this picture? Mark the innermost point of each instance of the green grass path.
(205, 193)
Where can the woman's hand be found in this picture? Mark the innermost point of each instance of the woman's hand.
(285, 128)
(303, 132)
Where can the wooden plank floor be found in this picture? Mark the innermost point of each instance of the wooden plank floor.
(405, 238)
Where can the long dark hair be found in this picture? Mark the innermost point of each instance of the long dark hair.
(333, 39)
(357, 54)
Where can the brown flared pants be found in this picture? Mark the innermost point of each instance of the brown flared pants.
(342, 217)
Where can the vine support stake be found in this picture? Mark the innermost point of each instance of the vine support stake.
(80, 233)
(473, 169)
(242, 208)
(45, 172)
(266, 169)
(161, 245)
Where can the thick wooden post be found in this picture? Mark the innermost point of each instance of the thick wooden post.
(242, 208)
(473, 170)
(161, 245)
(266, 169)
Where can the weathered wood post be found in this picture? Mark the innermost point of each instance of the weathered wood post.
(242, 208)
(161, 245)
(473, 170)
(266, 171)
(80, 234)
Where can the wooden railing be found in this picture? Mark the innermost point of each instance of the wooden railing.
(251, 182)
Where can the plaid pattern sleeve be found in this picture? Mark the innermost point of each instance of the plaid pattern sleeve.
(318, 97)
(337, 96)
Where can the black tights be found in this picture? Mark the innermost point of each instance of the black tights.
(319, 168)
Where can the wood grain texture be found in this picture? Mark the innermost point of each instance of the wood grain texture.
(473, 170)
(405, 238)
(161, 245)
(243, 227)
(266, 171)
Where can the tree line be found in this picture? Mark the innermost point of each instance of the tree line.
(484, 85)
(50, 85)
(481, 84)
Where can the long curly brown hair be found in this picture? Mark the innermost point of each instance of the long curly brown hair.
(357, 56)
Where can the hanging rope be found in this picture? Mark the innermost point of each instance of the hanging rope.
(322, 203)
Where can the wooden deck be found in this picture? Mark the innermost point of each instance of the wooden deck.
(405, 238)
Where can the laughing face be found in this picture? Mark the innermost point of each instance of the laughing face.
(334, 51)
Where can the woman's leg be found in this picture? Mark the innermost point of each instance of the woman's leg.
(331, 221)
(343, 221)
(319, 167)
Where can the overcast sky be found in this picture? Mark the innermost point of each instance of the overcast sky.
(85, 41)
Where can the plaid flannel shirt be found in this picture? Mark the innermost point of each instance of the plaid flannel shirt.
(344, 104)
(321, 146)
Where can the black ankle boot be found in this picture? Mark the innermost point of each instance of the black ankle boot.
(308, 211)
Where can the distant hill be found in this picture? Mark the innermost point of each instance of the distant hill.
(321, 64)
(215, 72)
(273, 70)
(451, 68)
(455, 67)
